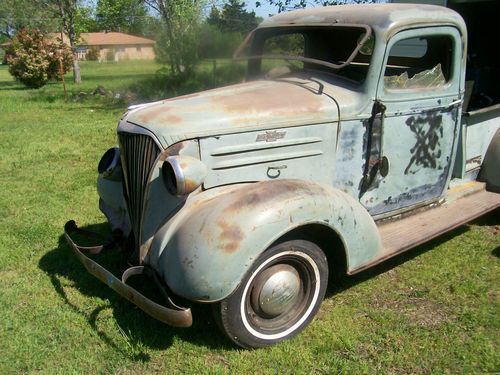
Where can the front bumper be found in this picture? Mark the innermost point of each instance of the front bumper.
(173, 315)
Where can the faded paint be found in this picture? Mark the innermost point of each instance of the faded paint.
(257, 105)
(385, 19)
(239, 158)
(221, 231)
(312, 127)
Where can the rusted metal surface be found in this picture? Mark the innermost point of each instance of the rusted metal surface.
(306, 149)
(175, 316)
(385, 19)
(403, 234)
(491, 169)
(283, 153)
(239, 108)
(204, 250)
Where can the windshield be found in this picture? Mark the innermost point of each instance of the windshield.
(344, 50)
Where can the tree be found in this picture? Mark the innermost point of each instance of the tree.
(70, 12)
(128, 16)
(72, 16)
(34, 59)
(177, 45)
(214, 43)
(234, 18)
(19, 14)
(214, 18)
(284, 5)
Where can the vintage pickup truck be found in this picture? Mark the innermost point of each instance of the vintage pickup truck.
(349, 142)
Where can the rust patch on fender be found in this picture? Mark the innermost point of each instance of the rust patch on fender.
(264, 193)
(230, 237)
(173, 150)
(190, 185)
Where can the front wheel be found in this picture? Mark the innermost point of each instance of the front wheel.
(278, 297)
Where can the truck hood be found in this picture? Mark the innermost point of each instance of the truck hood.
(250, 106)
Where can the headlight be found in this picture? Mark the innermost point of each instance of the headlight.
(183, 174)
(109, 165)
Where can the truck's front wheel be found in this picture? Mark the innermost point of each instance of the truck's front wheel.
(278, 297)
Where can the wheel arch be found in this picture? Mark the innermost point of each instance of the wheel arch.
(490, 170)
(327, 239)
(207, 249)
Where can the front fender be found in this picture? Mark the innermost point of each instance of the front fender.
(204, 252)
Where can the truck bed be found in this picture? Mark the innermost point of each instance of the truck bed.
(462, 204)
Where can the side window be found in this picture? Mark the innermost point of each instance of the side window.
(419, 63)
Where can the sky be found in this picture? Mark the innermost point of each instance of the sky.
(263, 11)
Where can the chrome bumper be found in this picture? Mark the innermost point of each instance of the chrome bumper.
(173, 315)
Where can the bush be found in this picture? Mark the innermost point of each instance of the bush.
(33, 60)
(164, 84)
(216, 44)
(92, 54)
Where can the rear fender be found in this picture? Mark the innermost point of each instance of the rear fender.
(205, 250)
(490, 170)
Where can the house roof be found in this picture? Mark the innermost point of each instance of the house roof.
(100, 39)
(112, 38)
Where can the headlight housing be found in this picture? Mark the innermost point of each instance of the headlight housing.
(183, 174)
(109, 166)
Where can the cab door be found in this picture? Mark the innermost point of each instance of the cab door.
(415, 120)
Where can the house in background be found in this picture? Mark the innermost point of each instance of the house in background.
(110, 46)
(115, 46)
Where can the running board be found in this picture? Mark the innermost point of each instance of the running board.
(399, 235)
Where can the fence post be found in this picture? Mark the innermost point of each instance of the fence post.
(214, 65)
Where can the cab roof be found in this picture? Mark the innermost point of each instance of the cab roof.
(384, 19)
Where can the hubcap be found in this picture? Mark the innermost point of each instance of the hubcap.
(276, 290)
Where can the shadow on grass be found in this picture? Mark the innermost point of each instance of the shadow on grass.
(12, 85)
(346, 282)
(138, 328)
(141, 330)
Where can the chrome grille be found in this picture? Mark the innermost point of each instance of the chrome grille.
(138, 155)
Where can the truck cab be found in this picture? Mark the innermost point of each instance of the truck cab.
(345, 141)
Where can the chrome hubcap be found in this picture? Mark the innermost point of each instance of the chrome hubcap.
(276, 290)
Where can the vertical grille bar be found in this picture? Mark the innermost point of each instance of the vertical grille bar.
(138, 154)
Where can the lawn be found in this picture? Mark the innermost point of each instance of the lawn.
(434, 309)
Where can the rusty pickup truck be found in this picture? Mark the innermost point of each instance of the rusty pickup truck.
(351, 140)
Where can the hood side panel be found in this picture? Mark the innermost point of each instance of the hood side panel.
(270, 155)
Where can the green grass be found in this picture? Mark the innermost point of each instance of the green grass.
(432, 310)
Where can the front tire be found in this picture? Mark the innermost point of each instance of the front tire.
(278, 297)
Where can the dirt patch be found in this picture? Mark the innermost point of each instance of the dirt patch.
(216, 359)
(419, 311)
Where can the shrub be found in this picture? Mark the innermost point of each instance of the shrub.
(60, 59)
(215, 43)
(182, 55)
(33, 60)
(164, 84)
(92, 54)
